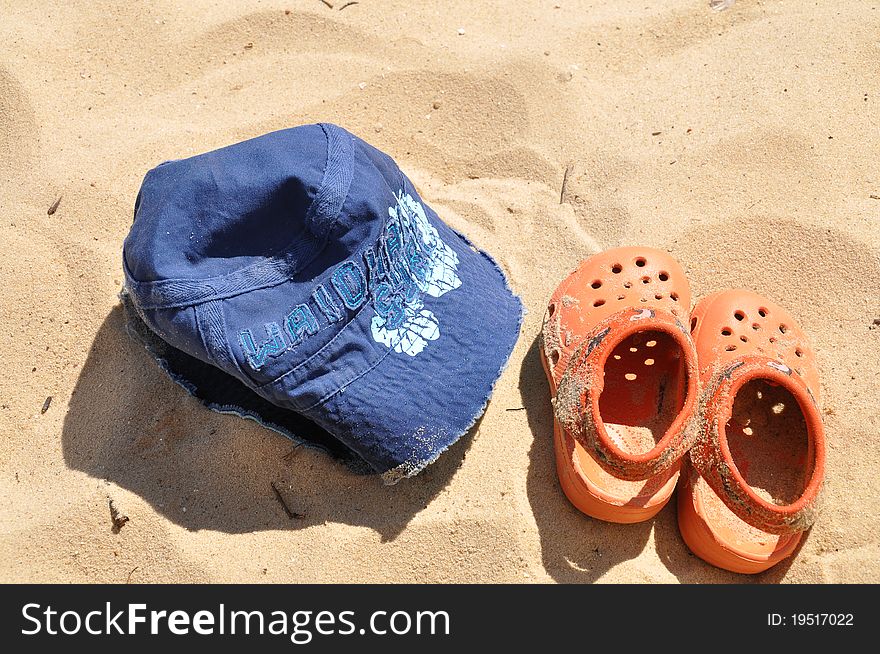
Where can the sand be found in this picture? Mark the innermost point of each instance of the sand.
(744, 142)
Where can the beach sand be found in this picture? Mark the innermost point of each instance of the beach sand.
(744, 142)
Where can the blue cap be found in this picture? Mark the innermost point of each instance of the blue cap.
(304, 264)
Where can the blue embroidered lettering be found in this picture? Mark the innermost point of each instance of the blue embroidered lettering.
(349, 282)
(392, 246)
(375, 266)
(326, 304)
(300, 322)
(256, 356)
(389, 306)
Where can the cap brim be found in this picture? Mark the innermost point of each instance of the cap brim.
(406, 411)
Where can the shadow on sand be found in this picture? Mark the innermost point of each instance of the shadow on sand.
(130, 424)
(575, 548)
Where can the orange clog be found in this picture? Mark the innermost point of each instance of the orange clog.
(624, 381)
(751, 482)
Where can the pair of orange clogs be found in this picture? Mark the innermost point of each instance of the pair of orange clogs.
(720, 400)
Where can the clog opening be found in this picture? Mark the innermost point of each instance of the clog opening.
(644, 389)
(769, 441)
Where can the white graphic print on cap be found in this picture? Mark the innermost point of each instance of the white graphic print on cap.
(439, 276)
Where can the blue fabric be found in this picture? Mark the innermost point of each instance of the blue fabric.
(304, 264)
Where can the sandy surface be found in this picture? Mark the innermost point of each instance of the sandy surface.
(745, 142)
